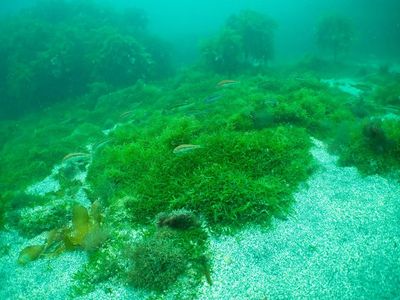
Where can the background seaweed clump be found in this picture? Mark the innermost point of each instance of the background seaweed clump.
(246, 41)
(57, 49)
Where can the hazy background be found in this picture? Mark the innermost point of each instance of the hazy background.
(185, 23)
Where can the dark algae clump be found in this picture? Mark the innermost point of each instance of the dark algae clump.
(165, 254)
(177, 219)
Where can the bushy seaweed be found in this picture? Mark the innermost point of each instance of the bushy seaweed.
(234, 177)
(103, 264)
(245, 42)
(388, 94)
(335, 34)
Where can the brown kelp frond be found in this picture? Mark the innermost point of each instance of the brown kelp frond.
(80, 224)
(85, 233)
(30, 253)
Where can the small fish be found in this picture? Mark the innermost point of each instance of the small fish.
(388, 108)
(392, 108)
(212, 98)
(100, 144)
(182, 105)
(185, 148)
(75, 155)
(196, 113)
(126, 114)
(227, 82)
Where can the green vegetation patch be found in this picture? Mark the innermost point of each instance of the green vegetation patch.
(230, 177)
(373, 146)
(169, 160)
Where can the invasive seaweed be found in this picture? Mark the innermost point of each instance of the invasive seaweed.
(374, 146)
(375, 136)
(157, 262)
(229, 169)
(165, 254)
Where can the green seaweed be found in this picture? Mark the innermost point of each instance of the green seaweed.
(230, 168)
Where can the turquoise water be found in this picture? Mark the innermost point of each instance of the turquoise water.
(212, 150)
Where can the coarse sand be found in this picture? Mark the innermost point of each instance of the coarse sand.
(342, 242)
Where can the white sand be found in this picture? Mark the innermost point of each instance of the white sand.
(42, 279)
(48, 185)
(343, 242)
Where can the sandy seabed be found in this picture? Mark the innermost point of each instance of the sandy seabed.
(341, 242)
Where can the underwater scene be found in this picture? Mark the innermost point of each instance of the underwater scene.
(216, 149)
